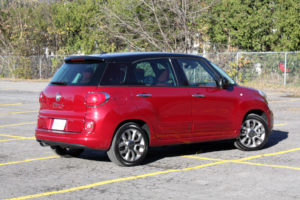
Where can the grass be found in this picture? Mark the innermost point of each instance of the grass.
(27, 80)
(291, 89)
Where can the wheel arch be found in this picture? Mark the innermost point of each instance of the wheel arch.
(258, 112)
(140, 122)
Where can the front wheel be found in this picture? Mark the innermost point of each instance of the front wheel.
(129, 146)
(254, 133)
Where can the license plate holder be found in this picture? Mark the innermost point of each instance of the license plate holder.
(59, 124)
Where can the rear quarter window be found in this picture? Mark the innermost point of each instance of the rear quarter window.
(79, 74)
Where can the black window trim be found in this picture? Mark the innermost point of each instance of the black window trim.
(157, 58)
(215, 75)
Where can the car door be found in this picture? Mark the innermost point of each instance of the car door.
(157, 96)
(212, 107)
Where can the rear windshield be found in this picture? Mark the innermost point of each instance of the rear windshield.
(79, 74)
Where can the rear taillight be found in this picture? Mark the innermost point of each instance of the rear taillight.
(96, 99)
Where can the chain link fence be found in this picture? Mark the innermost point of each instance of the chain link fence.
(274, 67)
(32, 67)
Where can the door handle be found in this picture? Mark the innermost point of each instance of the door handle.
(198, 95)
(144, 95)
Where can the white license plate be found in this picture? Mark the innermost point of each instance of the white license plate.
(59, 124)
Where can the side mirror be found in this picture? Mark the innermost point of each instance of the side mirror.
(223, 83)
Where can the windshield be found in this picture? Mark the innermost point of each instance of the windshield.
(79, 74)
(224, 74)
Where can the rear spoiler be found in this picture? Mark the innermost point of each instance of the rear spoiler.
(80, 59)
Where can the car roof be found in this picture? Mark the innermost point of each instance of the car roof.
(129, 56)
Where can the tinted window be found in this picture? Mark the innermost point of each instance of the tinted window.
(224, 74)
(156, 72)
(197, 73)
(78, 74)
(115, 74)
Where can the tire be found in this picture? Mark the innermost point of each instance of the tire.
(254, 133)
(67, 152)
(129, 145)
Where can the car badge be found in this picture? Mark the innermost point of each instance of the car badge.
(58, 97)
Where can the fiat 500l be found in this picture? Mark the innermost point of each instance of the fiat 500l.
(125, 103)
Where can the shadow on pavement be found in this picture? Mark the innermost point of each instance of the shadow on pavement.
(276, 137)
(158, 153)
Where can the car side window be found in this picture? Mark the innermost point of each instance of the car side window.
(196, 73)
(115, 74)
(155, 72)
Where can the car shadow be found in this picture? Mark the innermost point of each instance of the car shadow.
(158, 153)
(200, 148)
(94, 155)
(276, 137)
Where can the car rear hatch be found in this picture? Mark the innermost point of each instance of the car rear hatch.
(62, 103)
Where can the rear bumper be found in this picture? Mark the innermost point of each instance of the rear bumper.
(70, 139)
(61, 144)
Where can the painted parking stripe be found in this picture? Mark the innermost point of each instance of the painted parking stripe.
(28, 160)
(267, 165)
(241, 162)
(18, 124)
(7, 140)
(219, 161)
(20, 112)
(281, 124)
(269, 154)
(11, 104)
(115, 181)
(246, 158)
(15, 136)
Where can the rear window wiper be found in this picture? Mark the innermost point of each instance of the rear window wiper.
(58, 83)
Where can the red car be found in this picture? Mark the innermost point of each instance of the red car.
(125, 103)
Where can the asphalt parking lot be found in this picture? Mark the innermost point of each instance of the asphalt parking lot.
(197, 171)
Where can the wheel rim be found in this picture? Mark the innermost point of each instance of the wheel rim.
(131, 145)
(253, 133)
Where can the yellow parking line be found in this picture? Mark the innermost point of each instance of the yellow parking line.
(266, 165)
(281, 124)
(18, 124)
(7, 140)
(11, 104)
(21, 112)
(241, 162)
(114, 181)
(28, 160)
(220, 161)
(15, 136)
(269, 154)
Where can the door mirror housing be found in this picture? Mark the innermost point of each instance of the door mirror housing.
(223, 83)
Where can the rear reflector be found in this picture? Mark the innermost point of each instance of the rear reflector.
(96, 99)
(89, 126)
(42, 97)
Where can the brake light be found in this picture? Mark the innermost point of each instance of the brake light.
(96, 99)
(77, 59)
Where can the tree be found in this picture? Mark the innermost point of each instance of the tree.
(76, 27)
(160, 25)
(255, 25)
